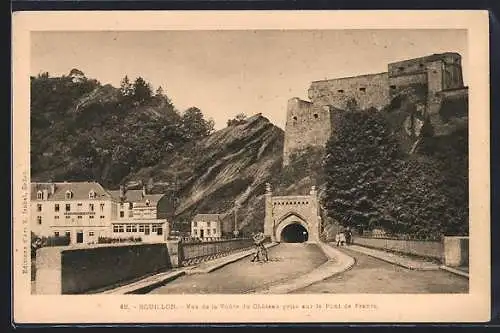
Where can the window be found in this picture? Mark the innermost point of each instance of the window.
(146, 229)
(141, 228)
(362, 89)
(294, 117)
(91, 216)
(79, 204)
(67, 216)
(56, 233)
(91, 207)
(393, 87)
(128, 228)
(134, 228)
(130, 205)
(340, 91)
(122, 214)
(92, 195)
(421, 65)
(69, 194)
(56, 217)
(118, 228)
(56, 207)
(39, 208)
(194, 224)
(195, 231)
(102, 216)
(79, 217)
(316, 115)
(154, 228)
(91, 233)
(68, 234)
(115, 228)
(102, 207)
(214, 231)
(39, 219)
(39, 195)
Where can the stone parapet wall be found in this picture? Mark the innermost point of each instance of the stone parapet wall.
(430, 249)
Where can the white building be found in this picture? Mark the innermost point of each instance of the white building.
(207, 226)
(80, 210)
(85, 211)
(137, 215)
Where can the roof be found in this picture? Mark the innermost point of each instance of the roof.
(80, 190)
(136, 196)
(208, 217)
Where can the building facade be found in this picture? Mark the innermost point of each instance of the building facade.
(137, 215)
(85, 211)
(80, 210)
(207, 226)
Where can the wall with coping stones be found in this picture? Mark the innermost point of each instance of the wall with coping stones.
(369, 90)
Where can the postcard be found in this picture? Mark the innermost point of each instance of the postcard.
(250, 167)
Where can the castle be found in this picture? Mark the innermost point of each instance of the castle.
(431, 81)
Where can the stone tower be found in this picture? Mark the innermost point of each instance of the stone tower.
(307, 124)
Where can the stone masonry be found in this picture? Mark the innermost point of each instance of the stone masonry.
(310, 123)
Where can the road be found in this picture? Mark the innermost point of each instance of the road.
(370, 275)
(286, 261)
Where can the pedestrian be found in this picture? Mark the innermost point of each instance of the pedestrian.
(348, 236)
(260, 249)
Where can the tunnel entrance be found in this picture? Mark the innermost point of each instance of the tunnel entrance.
(294, 233)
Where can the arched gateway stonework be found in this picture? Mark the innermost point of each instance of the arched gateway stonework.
(284, 212)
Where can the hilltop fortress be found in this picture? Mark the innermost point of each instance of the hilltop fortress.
(431, 82)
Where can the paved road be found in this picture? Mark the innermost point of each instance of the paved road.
(286, 261)
(370, 275)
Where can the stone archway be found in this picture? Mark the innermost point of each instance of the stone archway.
(294, 233)
(292, 228)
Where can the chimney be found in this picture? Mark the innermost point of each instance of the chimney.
(122, 192)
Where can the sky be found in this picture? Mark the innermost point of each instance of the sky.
(229, 72)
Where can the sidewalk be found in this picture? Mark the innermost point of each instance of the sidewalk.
(462, 271)
(338, 262)
(409, 263)
(157, 280)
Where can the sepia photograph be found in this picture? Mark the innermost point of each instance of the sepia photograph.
(230, 173)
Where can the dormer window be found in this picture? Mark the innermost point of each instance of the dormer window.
(91, 194)
(39, 195)
(69, 194)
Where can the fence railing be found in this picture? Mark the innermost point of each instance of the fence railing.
(194, 253)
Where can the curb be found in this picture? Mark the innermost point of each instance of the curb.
(145, 286)
(454, 271)
(337, 262)
(395, 261)
(223, 263)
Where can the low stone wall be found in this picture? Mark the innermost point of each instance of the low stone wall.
(192, 253)
(429, 249)
(79, 269)
(456, 251)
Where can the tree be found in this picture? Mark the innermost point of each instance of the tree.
(359, 164)
(239, 119)
(159, 92)
(142, 90)
(126, 87)
(194, 124)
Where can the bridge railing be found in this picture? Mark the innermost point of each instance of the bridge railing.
(194, 253)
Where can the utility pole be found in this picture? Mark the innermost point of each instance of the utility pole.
(236, 206)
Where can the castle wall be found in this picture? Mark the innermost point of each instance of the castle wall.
(401, 82)
(368, 91)
(306, 125)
